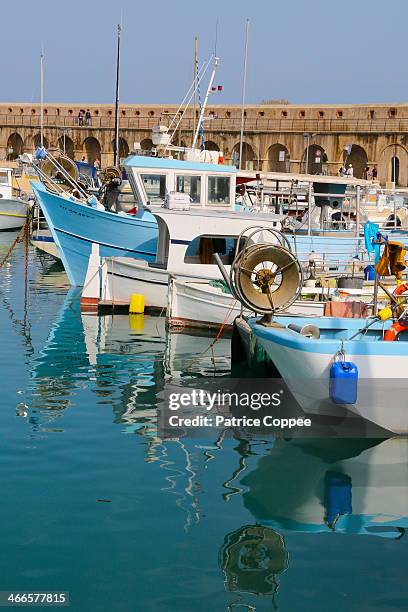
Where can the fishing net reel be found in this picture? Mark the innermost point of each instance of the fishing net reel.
(266, 277)
(59, 169)
(111, 177)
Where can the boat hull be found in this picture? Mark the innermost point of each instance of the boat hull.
(305, 365)
(195, 304)
(13, 213)
(75, 226)
(43, 241)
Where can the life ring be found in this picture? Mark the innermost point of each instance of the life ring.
(401, 289)
(395, 329)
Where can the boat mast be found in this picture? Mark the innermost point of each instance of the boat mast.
(241, 139)
(116, 139)
(209, 89)
(42, 98)
(195, 81)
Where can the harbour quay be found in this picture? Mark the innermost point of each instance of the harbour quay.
(278, 137)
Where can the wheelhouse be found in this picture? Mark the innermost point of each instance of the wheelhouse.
(207, 185)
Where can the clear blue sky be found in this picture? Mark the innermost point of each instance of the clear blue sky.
(316, 51)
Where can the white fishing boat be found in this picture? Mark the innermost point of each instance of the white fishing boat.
(13, 210)
(187, 243)
(210, 305)
(207, 305)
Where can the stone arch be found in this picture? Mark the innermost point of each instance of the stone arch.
(314, 160)
(249, 159)
(358, 158)
(395, 168)
(92, 149)
(67, 144)
(37, 141)
(278, 158)
(15, 146)
(123, 148)
(146, 144)
(210, 145)
(386, 165)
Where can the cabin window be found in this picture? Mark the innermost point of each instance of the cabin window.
(3, 178)
(201, 250)
(219, 189)
(155, 187)
(191, 185)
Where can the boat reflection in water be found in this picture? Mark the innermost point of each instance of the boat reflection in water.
(252, 557)
(347, 486)
(120, 360)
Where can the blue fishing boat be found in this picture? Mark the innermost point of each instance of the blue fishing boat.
(75, 225)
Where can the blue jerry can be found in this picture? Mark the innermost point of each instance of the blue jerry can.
(343, 382)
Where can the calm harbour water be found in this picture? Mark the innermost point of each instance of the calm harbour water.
(95, 503)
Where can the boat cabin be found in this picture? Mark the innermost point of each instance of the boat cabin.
(206, 185)
(188, 239)
(6, 182)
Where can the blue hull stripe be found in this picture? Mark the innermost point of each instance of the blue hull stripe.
(43, 239)
(110, 246)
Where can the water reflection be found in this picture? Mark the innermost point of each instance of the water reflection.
(343, 486)
(252, 558)
(121, 367)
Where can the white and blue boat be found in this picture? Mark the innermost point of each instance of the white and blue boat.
(305, 363)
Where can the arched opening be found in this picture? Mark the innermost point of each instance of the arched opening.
(209, 145)
(66, 145)
(92, 149)
(15, 146)
(249, 161)
(278, 158)
(37, 141)
(123, 148)
(358, 158)
(395, 166)
(314, 160)
(392, 164)
(146, 144)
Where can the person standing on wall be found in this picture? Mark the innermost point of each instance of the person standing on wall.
(88, 117)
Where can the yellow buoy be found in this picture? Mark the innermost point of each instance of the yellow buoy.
(137, 304)
(385, 313)
(136, 322)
